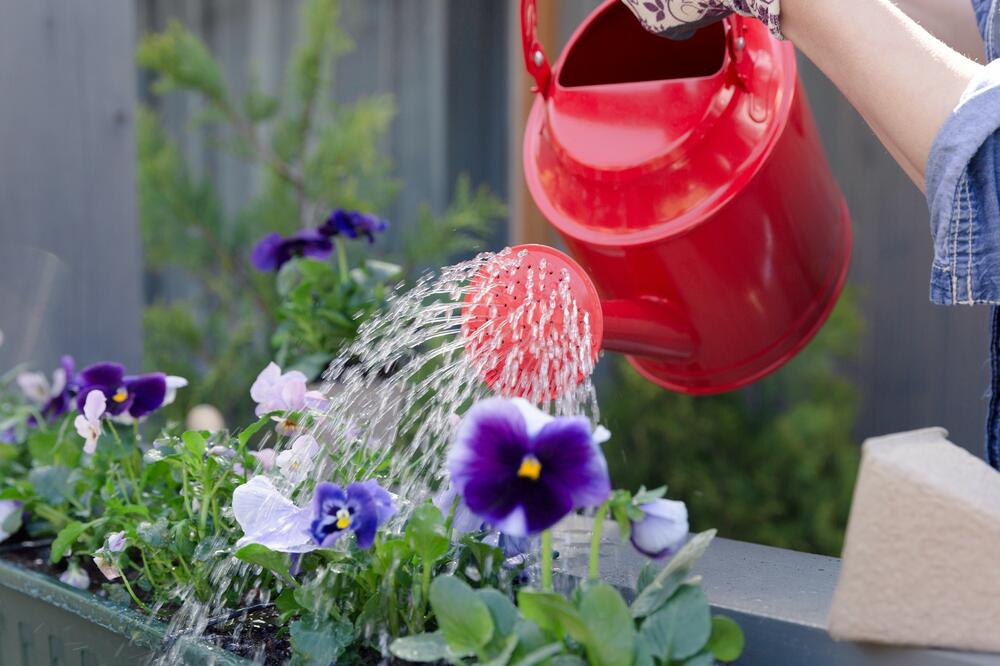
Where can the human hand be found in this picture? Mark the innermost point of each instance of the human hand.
(679, 19)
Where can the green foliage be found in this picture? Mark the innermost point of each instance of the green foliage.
(313, 155)
(774, 463)
(593, 626)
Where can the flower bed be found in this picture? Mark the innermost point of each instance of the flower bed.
(346, 575)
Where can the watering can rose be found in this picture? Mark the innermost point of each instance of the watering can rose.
(523, 470)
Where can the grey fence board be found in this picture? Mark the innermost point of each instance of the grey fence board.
(70, 278)
(445, 62)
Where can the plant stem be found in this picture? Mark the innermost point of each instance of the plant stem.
(341, 259)
(593, 570)
(425, 591)
(393, 611)
(547, 560)
(131, 593)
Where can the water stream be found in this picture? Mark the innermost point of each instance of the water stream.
(395, 393)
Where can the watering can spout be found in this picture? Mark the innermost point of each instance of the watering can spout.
(647, 327)
(534, 324)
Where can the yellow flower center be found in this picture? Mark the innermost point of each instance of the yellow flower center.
(343, 519)
(120, 396)
(530, 468)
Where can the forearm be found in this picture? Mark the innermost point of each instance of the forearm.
(904, 81)
(951, 21)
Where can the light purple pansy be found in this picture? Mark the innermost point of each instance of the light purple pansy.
(522, 470)
(663, 529)
(75, 576)
(10, 518)
(274, 391)
(295, 462)
(116, 542)
(270, 519)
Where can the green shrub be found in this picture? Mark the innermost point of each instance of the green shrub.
(774, 463)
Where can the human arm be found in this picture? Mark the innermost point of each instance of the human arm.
(903, 81)
(951, 21)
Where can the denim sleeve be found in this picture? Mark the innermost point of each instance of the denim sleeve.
(963, 183)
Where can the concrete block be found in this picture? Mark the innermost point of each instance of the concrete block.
(921, 560)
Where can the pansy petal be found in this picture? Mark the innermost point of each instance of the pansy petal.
(271, 519)
(663, 529)
(266, 255)
(385, 506)
(106, 375)
(464, 520)
(94, 405)
(570, 459)
(544, 504)
(148, 393)
(261, 388)
(364, 520)
(490, 444)
(534, 418)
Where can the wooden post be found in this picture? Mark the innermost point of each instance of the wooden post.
(70, 270)
(527, 225)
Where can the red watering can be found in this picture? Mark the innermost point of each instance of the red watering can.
(688, 181)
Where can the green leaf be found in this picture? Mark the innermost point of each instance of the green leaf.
(701, 659)
(504, 612)
(421, 648)
(41, 445)
(320, 643)
(463, 616)
(252, 429)
(654, 595)
(67, 537)
(682, 627)
(426, 535)
(50, 483)
(646, 576)
(568, 660)
(154, 534)
(503, 657)
(726, 642)
(611, 640)
(262, 556)
(286, 603)
(195, 443)
(552, 613)
(545, 652)
(12, 523)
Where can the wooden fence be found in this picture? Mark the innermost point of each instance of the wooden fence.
(69, 266)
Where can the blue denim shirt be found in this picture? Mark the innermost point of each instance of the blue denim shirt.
(963, 192)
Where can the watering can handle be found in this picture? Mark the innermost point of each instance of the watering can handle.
(534, 56)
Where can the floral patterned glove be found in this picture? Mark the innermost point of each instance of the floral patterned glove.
(679, 19)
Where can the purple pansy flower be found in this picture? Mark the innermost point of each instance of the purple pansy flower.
(55, 398)
(8, 436)
(361, 509)
(353, 224)
(663, 528)
(274, 251)
(136, 395)
(522, 470)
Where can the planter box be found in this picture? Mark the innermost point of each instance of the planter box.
(781, 599)
(43, 622)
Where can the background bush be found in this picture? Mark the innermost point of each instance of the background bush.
(774, 463)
